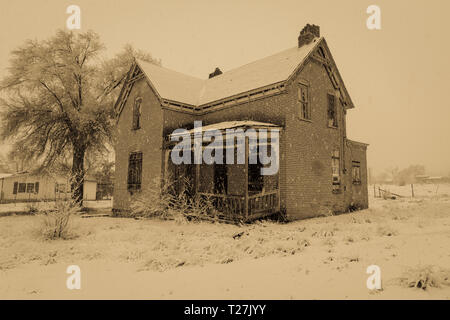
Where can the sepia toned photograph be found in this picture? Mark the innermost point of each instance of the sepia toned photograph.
(245, 151)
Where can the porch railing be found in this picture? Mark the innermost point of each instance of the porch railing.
(234, 207)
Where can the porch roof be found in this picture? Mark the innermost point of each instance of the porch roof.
(232, 125)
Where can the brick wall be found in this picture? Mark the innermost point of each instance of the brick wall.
(309, 147)
(147, 139)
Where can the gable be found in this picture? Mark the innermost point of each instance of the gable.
(323, 55)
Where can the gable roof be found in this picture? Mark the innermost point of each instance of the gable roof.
(268, 74)
(175, 86)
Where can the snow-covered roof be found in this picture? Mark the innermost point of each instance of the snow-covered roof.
(232, 125)
(175, 86)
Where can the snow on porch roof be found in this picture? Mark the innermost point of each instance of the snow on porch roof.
(175, 86)
(233, 125)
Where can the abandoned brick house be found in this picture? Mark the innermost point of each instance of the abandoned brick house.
(298, 91)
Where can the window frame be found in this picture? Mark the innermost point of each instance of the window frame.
(30, 187)
(332, 122)
(356, 168)
(134, 174)
(136, 125)
(20, 189)
(336, 159)
(304, 105)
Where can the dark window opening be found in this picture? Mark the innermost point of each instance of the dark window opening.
(36, 187)
(332, 111)
(16, 185)
(30, 187)
(303, 98)
(137, 114)
(220, 179)
(255, 179)
(22, 187)
(135, 171)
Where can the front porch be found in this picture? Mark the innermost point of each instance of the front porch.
(237, 189)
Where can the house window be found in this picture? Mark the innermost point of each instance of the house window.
(61, 188)
(15, 187)
(137, 114)
(135, 171)
(336, 171)
(22, 187)
(36, 187)
(356, 172)
(303, 99)
(30, 187)
(332, 111)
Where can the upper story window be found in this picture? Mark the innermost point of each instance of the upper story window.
(137, 114)
(303, 99)
(332, 111)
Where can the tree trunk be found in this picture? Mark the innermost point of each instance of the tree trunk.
(77, 180)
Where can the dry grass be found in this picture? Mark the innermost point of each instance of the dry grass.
(56, 223)
(425, 277)
(164, 201)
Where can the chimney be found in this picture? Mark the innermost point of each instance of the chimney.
(215, 73)
(308, 33)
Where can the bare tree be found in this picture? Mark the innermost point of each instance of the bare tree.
(57, 100)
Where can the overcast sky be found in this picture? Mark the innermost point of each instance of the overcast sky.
(398, 77)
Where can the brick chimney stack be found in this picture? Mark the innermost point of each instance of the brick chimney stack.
(308, 33)
(215, 73)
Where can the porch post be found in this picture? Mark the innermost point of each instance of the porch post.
(197, 178)
(246, 178)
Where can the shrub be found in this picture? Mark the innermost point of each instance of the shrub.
(425, 277)
(170, 200)
(56, 223)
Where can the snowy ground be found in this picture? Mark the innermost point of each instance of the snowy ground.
(7, 208)
(321, 258)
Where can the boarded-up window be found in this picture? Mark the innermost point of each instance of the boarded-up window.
(303, 98)
(36, 187)
(16, 185)
(135, 171)
(137, 114)
(22, 187)
(336, 171)
(30, 187)
(356, 172)
(332, 111)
